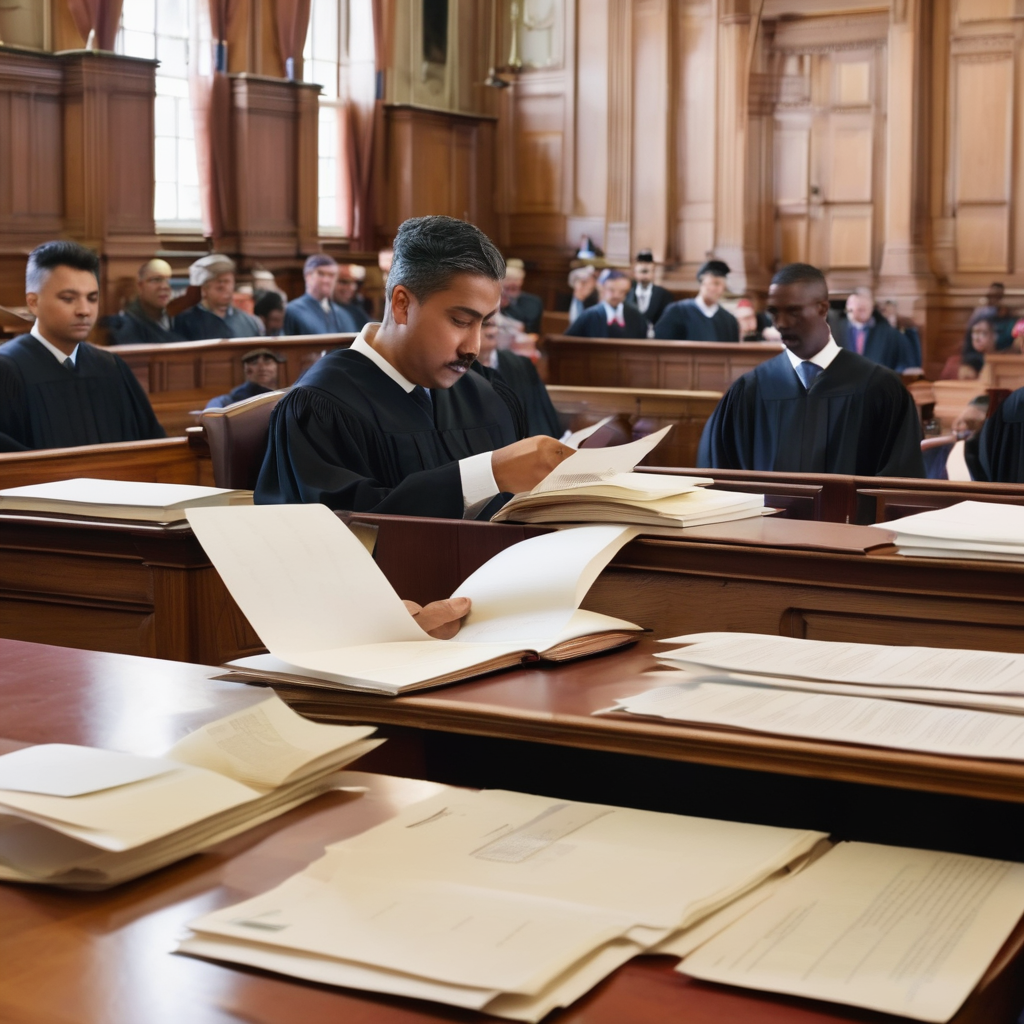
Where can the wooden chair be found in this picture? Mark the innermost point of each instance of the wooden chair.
(237, 437)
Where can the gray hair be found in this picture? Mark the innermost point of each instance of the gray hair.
(45, 258)
(430, 251)
(581, 273)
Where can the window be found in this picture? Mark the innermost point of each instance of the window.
(173, 32)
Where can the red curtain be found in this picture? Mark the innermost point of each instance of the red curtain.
(99, 16)
(292, 23)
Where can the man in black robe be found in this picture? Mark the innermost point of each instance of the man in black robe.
(56, 390)
(702, 318)
(144, 321)
(865, 331)
(651, 299)
(999, 456)
(613, 316)
(525, 307)
(396, 423)
(815, 408)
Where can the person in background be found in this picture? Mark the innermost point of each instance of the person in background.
(1002, 320)
(270, 309)
(865, 331)
(702, 318)
(614, 317)
(261, 367)
(651, 299)
(583, 282)
(346, 290)
(57, 390)
(522, 306)
(754, 326)
(891, 311)
(999, 454)
(519, 374)
(316, 312)
(215, 315)
(144, 321)
(263, 281)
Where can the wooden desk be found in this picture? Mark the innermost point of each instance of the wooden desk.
(953, 396)
(674, 365)
(1007, 370)
(104, 958)
(184, 375)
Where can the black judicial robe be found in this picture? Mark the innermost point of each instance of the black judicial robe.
(132, 327)
(999, 456)
(683, 321)
(521, 377)
(528, 309)
(593, 323)
(351, 438)
(858, 419)
(661, 299)
(45, 405)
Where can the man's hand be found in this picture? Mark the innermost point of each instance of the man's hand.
(521, 466)
(441, 619)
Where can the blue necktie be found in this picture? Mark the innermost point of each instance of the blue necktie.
(808, 372)
(422, 398)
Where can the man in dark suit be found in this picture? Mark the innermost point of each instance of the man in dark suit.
(650, 298)
(144, 321)
(517, 304)
(316, 312)
(583, 282)
(702, 318)
(613, 317)
(865, 331)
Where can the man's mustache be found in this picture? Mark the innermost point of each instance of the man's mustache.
(463, 362)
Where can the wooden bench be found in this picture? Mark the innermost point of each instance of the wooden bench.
(1006, 369)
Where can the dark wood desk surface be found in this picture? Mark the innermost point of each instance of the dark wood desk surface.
(105, 958)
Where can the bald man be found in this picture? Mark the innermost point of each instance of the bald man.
(144, 321)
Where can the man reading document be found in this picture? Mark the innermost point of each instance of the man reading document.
(397, 423)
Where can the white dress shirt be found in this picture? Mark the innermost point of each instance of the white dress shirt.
(614, 314)
(708, 311)
(643, 296)
(52, 349)
(478, 483)
(823, 358)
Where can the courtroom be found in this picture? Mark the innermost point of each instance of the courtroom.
(463, 461)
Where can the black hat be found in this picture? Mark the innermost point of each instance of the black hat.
(716, 267)
(645, 256)
(257, 352)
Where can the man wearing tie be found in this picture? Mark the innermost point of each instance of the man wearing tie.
(650, 298)
(613, 316)
(316, 312)
(816, 407)
(866, 332)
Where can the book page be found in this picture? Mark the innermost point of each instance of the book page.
(909, 932)
(929, 668)
(265, 745)
(898, 725)
(302, 578)
(982, 521)
(61, 769)
(577, 437)
(530, 591)
(88, 491)
(593, 465)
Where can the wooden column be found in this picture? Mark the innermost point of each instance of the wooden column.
(618, 236)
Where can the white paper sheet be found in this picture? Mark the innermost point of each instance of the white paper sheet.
(931, 668)
(908, 932)
(986, 522)
(577, 437)
(61, 769)
(89, 491)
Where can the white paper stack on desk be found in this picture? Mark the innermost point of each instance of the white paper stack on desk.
(498, 901)
(118, 499)
(981, 530)
(84, 818)
(330, 618)
(933, 700)
(598, 485)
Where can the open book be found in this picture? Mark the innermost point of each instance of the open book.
(118, 499)
(85, 818)
(329, 616)
(598, 485)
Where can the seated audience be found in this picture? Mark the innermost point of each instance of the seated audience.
(519, 374)
(519, 305)
(1002, 319)
(57, 390)
(754, 326)
(263, 281)
(261, 375)
(583, 282)
(614, 317)
(215, 315)
(651, 299)
(999, 454)
(907, 327)
(987, 335)
(346, 293)
(316, 312)
(865, 331)
(702, 318)
(270, 309)
(144, 321)
(396, 423)
(816, 407)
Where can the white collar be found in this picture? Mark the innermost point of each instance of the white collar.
(363, 347)
(325, 303)
(613, 314)
(641, 287)
(823, 358)
(707, 310)
(492, 359)
(52, 349)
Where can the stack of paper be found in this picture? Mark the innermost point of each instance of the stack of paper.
(329, 617)
(951, 702)
(118, 499)
(598, 485)
(970, 530)
(85, 818)
(498, 901)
